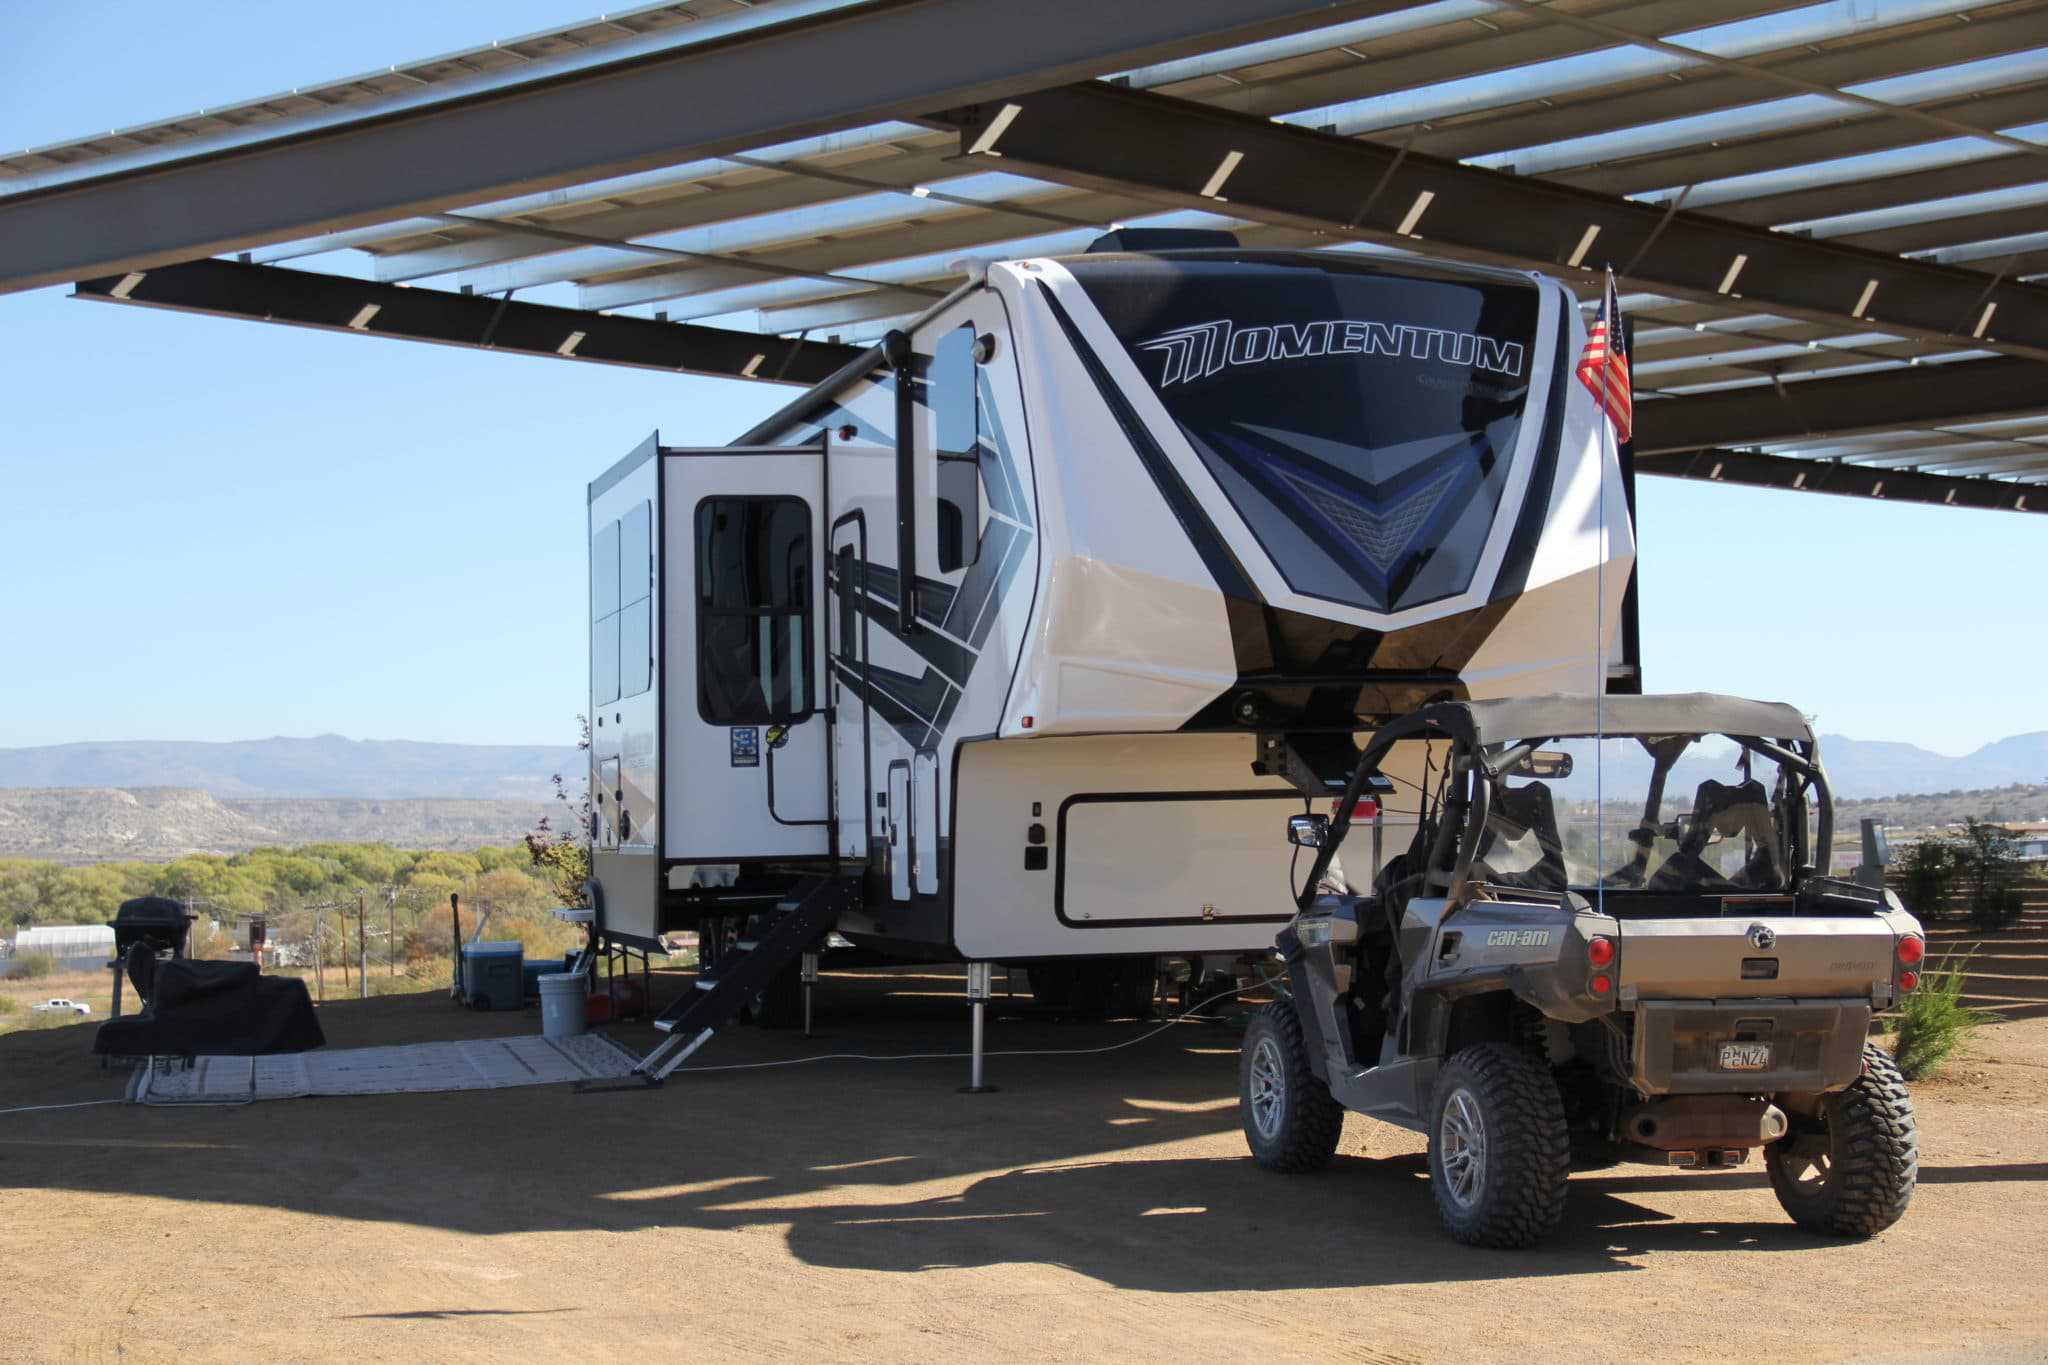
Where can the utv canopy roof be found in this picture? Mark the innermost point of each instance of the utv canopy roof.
(1559, 714)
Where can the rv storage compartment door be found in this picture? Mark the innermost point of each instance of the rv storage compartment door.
(744, 767)
(1095, 845)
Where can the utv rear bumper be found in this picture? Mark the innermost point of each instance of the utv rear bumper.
(1704, 1047)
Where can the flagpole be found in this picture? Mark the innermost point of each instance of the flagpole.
(1607, 448)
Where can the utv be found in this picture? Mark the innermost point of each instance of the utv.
(1568, 965)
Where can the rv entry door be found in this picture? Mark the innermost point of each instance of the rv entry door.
(748, 753)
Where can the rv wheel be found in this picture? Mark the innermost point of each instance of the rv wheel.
(1291, 1121)
(780, 1004)
(1851, 1172)
(1210, 996)
(1500, 1151)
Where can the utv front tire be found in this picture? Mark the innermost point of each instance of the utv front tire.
(1851, 1174)
(1500, 1151)
(1291, 1122)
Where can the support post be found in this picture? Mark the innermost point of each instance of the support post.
(809, 973)
(978, 990)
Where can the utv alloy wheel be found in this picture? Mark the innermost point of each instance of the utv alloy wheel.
(1462, 1137)
(1499, 1147)
(1852, 1172)
(1267, 1094)
(1291, 1123)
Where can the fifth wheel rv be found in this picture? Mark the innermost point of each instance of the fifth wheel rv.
(1018, 639)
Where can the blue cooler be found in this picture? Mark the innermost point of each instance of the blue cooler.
(537, 967)
(492, 978)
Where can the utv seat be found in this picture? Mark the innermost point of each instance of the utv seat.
(1729, 810)
(1517, 813)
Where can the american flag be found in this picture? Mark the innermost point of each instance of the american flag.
(1603, 365)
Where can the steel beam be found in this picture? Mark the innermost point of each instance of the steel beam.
(1755, 470)
(675, 98)
(268, 293)
(1174, 152)
(1926, 396)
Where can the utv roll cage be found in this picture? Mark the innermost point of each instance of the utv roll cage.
(1489, 739)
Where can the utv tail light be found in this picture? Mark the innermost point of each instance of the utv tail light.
(1911, 949)
(1364, 808)
(1907, 981)
(1599, 951)
(1601, 984)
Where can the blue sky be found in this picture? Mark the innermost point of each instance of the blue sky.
(220, 530)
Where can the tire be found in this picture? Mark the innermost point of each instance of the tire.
(780, 1004)
(1133, 988)
(1052, 985)
(1209, 997)
(1291, 1121)
(1500, 1151)
(1852, 1173)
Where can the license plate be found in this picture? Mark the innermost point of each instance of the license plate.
(1745, 1056)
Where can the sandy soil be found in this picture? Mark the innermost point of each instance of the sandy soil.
(1094, 1207)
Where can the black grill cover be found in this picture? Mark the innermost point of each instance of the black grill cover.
(216, 1009)
(156, 920)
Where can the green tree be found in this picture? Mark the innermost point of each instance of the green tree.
(1992, 871)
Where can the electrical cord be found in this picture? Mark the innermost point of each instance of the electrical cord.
(1153, 1032)
(77, 1104)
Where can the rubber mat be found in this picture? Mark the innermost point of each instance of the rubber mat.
(409, 1068)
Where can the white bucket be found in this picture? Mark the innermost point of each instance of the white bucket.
(562, 996)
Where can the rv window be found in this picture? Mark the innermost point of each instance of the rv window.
(621, 607)
(753, 610)
(604, 571)
(950, 388)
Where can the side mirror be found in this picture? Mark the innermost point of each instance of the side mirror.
(1547, 763)
(1308, 831)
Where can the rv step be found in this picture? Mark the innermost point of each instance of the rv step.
(722, 993)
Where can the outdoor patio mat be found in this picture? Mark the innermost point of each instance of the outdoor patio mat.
(478, 1064)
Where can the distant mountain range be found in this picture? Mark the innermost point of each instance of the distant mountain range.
(1857, 768)
(154, 824)
(324, 765)
(1876, 767)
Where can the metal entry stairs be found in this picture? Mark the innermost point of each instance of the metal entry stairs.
(799, 922)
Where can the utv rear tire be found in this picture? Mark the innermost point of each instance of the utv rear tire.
(1851, 1174)
(1500, 1151)
(1291, 1122)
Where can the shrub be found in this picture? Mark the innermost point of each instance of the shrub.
(1929, 878)
(32, 966)
(8, 1004)
(1933, 1020)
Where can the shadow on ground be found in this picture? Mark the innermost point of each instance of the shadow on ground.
(1124, 1167)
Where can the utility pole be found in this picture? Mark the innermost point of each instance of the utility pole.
(319, 963)
(391, 930)
(362, 948)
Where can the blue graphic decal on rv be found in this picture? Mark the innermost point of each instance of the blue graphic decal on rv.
(959, 618)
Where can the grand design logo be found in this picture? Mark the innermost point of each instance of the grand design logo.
(1205, 348)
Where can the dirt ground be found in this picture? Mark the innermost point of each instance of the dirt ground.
(1095, 1206)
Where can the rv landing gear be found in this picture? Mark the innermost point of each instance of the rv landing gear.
(978, 991)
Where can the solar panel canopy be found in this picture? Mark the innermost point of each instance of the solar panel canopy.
(1829, 220)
